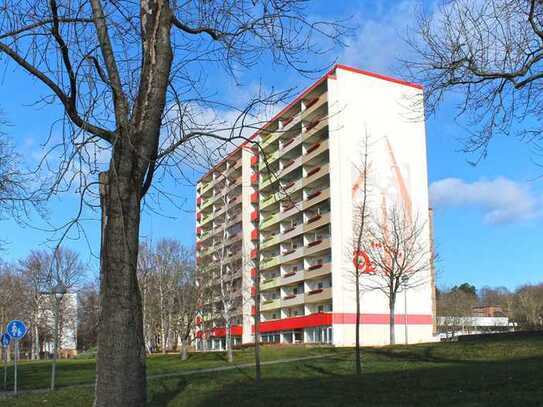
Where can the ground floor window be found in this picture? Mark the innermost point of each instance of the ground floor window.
(296, 336)
(321, 334)
(270, 337)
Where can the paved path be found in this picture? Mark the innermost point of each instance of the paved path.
(4, 395)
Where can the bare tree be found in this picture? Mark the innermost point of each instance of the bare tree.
(528, 306)
(360, 234)
(490, 53)
(43, 270)
(87, 317)
(454, 310)
(400, 253)
(126, 74)
(188, 296)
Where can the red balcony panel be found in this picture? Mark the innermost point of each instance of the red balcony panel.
(253, 291)
(253, 272)
(254, 216)
(254, 197)
(254, 178)
(290, 274)
(313, 195)
(314, 243)
(311, 102)
(313, 147)
(314, 219)
(253, 310)
(253, 254)
(199, 334)
(198, 216)
(287, 120)
(235, 330)
(309, 126)
(198, 230)
(199, 201)
(313, 171)
(254, 234)
(289, 297)
(288, 164)
(288, 324)
(288, 142)
(198, 320)
(254, 160)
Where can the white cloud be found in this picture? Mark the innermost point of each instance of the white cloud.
(501, 199)
(379, 43)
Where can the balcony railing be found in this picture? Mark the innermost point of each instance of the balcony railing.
(270, 221)
(270, 304)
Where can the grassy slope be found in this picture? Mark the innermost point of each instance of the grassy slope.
(497, 373)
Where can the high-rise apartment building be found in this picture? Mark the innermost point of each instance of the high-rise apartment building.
(285, 202)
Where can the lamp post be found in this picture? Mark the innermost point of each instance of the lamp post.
(404, 280)
(58, 293)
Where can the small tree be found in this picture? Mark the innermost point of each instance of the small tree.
(360, 225)
(399, 251)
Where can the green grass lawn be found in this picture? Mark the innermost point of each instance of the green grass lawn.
(505, 372)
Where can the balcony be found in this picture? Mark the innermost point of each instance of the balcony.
(317, 270)
(269, 283)
(292, 277)
(322, 124)
(270, 200)
(270, 262)
(315, 150)
(268, 305)
(269, 242)
(313, 105)
(270, 139)
(268, 159)
(318, 295)
(292, 300)
(270, 221)
(290, 144)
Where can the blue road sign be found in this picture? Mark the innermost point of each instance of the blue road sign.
(5, 339)
(16, 329)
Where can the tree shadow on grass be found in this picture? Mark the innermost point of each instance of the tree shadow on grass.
(495, 383)
(164, 391)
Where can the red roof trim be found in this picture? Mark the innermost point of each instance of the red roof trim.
(283, 111)
(379, 76)
(328, 75)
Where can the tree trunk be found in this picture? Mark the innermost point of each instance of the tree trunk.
(392, 322)
(229, 353)
(184, 354)
(120, 360)
(35, 341)
(357, 349)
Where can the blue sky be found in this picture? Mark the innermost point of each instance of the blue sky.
(487, 218)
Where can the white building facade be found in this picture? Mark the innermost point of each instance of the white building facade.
(290, 211)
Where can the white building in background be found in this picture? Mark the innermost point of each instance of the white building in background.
(67, 324)
(312, 148)
(450, 327)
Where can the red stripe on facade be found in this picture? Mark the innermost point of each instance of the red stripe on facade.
(306, 321)
(235, 330)
(382, 319)
(320, 319)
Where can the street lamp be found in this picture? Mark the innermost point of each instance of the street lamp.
(58, 292)
(404, 279)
